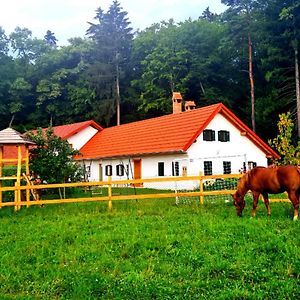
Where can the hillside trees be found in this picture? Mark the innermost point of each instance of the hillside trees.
(242, 21)
(184, 57)
(277, 63)
(207, 60)
(290, 13)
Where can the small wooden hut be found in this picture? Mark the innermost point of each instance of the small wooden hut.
(11, 138)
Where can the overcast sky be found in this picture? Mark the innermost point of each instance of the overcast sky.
(68, 18)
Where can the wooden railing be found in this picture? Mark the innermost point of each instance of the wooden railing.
(110, 196)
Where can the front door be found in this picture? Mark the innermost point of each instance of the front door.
(137, 169)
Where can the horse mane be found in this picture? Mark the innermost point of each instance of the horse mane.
(246, 178)
(243, 182)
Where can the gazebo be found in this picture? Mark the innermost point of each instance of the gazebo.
(10, 138)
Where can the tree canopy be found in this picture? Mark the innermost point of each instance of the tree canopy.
(114, 75)
(52, 158)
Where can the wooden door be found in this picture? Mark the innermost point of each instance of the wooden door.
(137, 169)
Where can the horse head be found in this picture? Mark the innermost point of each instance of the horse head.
(239, 203)
(238, 196)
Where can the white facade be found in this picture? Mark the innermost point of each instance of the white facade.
(80, 138)
(237, 153)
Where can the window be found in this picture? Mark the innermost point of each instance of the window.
(88, 171)
(226, 167)
(251, 165)
(108, 170)
(209, 135)
(223, 136)
(120, 170)
(161, 169)
(175, 168)
(207, 167)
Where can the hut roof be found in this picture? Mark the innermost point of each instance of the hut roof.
(13, 137)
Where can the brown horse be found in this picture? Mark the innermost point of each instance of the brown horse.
(261, 180)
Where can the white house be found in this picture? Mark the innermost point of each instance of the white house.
(77, 134)
(210, 139)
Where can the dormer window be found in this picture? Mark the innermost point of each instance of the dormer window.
(209, 135)
(223, 136)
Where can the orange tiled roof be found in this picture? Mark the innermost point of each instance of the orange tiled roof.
(172, 133)
(65, 131)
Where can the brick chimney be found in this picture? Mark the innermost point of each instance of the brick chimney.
(177, 103)
(189, 105)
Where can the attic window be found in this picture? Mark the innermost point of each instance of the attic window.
(209, 135)
(223, 136)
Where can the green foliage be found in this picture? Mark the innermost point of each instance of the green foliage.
(52, 158)
(283, 143)
(148, 250)
(50, 38)
(205, 59)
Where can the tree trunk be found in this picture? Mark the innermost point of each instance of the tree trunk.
(297, 90)
(118, 96)
(251, 83)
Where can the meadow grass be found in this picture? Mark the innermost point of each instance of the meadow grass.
(149, 249)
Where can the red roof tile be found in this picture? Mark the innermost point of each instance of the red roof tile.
(65, 131)
(172, 133)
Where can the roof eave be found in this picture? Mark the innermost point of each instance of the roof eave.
(133, 155)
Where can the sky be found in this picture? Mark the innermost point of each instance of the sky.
(68, 18)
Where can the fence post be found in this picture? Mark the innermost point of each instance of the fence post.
(1, 174)
(109, 193)
(17, 196)
(201, 187)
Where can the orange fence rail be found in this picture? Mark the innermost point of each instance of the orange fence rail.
(110, 197)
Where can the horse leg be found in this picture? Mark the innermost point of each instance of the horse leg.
(255, 201)
(294, 197)
(267, 203)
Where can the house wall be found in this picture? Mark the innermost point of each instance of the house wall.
(238, 150)
(82, 137)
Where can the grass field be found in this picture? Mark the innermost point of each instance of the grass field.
(149, 250)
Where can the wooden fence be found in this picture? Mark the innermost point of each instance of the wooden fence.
(134, 184)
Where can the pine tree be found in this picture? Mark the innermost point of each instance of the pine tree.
(113, 38)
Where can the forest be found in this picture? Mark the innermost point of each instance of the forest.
(245, 57)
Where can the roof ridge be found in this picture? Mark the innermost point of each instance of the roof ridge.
(171, 115)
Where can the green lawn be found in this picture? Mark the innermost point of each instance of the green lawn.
(150, 249)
